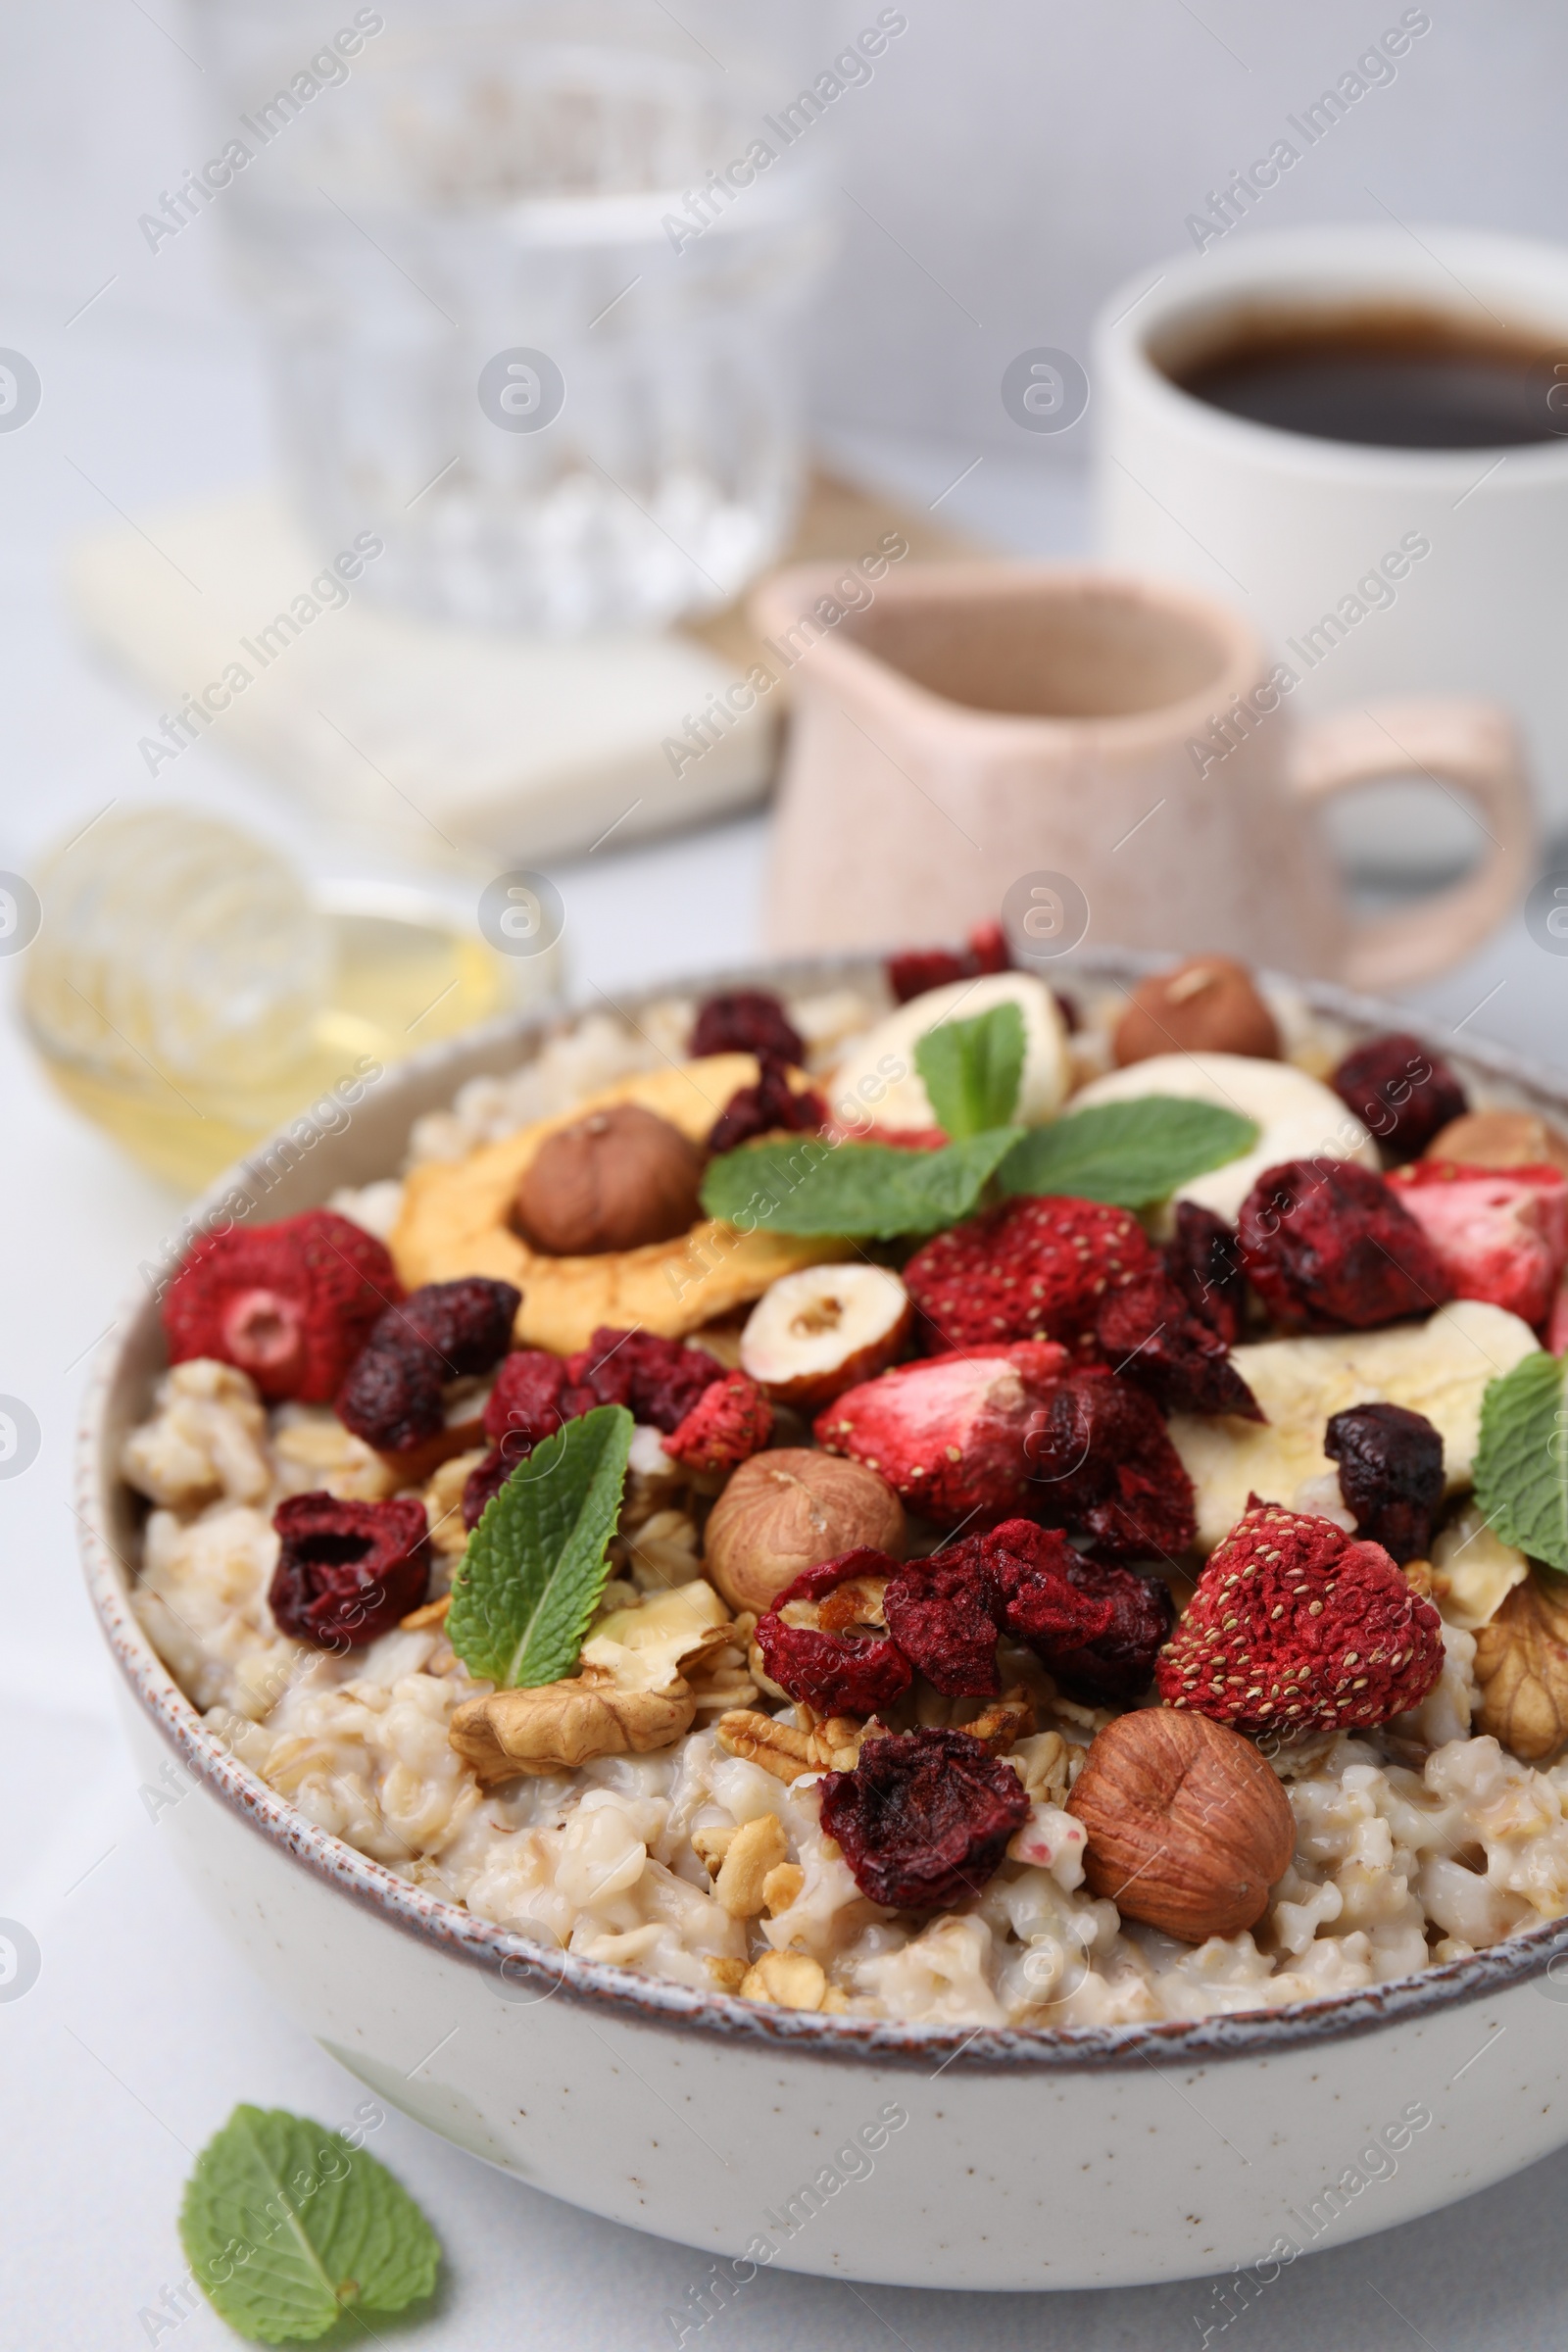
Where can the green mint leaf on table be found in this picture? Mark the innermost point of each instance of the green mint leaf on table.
(1522, 1458)
(858, 1192)
(536, 1563)
(971, 1072)
(1130, 1155)
(286, 2227)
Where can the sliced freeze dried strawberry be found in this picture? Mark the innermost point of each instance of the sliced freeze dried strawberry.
(924, 1819)
(1400, 1092)
(347, 1571)
(949, 1433)
(1391, 1475)
(291, 1304)
(1203, 1259)
(730, 1421)
(1500, 1234)
(1148, 1333)
(1103, 1467)
(835, 1655)
(1031, 1268)
(1328, 1244)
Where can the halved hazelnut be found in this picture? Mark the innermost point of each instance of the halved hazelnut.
(1501, 1139)
(791, 1509)
(1207, 1005)
(819, 1332)
(617, 1179)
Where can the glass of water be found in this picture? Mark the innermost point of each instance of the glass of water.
(534, 294)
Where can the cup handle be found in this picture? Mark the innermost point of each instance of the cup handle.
(1471, 745)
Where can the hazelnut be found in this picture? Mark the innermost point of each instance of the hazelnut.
(817, 1331)
(1501, 1139)
(1189, 1826)
(1206, 1006)
(615, 1180)
(791, 1509)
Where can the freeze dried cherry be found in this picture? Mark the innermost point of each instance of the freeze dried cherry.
(1391, 1475)
(1203, 1259)
(1119, 1663)
(923, 1819)
(1150, 1334)
(943, 1612)
(747, 1021)
(1402, 1093)
(347, 1571)
(1326, 1243)
(844, 1663)
(765, 1108)
(526, 1398)
(1038, 1600)
(467, 1325)
(919, 969)
(1103, 1465)
(392, 1398)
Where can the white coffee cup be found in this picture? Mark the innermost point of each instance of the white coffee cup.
(1458, 559)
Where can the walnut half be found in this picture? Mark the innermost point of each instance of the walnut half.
(1522, 1669)
(559, 1726)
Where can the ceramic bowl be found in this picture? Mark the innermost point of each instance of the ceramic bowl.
(914, 2155)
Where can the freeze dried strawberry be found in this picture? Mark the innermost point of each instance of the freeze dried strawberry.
(1150, 1334)
(1296, 1626)
(835, 1659)
(392, 1398)
(949, 1433)
(764, 1109)
(747, 1021)
(1103, 1467)
(730, 1421)
(466, 1325)
(1391, 1475)
(347, 1571)
(1034, 1267)
(1500, 1234)
(658, 1380)
(1326, 1243)
(1203, 1259)
(924, 1819)
(943, 1612)
(919, 969)
(291, 1304)
(1400, 1092)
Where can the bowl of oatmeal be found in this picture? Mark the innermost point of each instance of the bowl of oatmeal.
(885, 1618)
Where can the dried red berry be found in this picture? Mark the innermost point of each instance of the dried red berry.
(1403, 1094)
(1326, 1243)
(1037, 1602)
(730, 1421)
(951, 1433)
(747, 1021)
(847, 1665)
(291, 1304)
(919, 969)
(1203, 1259)
(924, 1819)
(943, 1612)
(392, 1398)
(466, 1325)
(1103, 1466)
(487, 1478)
(1150, 1334)
(527, 1396)
(1296, 1626)
(658, 1380)
(1098, 1628)
(764, 1109)
(347, 1571)
(1031, 1268)
(1391, 1475)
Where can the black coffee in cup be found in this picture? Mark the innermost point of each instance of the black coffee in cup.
(1385, 376)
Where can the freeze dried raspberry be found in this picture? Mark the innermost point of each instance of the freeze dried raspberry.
(291, 1304)
(1031, 1268)
(1391, 1475)
(950, 1432)
(1402, 1093)
(919, 969)
(730, 1421)
(764, 1109)
(347, 1571)
(1326, 1243)
(747, 1021)
(1203, 1259)
(392, 1398)
(1150, 1334)
(1103, 1467)
(924, 1819)
(837, 1661)
(1296, 1626)
(944, 1612)
(1501, 1234)
(658, 1380)
(466, 1325)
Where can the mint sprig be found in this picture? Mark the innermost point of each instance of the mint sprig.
(536, 1563)
(1131, 1155)
(854, 1192)
(286, 2227)
(1521, 1467)
(971, 1070)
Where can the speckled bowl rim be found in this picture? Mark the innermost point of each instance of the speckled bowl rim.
(432, 1077)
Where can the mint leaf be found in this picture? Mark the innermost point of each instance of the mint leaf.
(285, 2228)
(858, 1192)
(971, 1070)
(1129, 1154)
(1522, 1458)
(536, 1563)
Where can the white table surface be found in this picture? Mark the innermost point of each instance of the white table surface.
(141, 2032)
